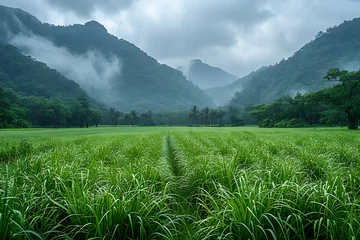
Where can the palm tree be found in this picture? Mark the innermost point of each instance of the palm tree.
(4, 105)
(114, 116)
(206, 115)
(214, 116)
(194, 111)
(134, 117)
(146, 116)
(127, 118)
(211, 116)
(221, 114)
(202, 116)
(112, 110)
(117, 115)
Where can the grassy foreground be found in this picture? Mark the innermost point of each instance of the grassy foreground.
(179, 183)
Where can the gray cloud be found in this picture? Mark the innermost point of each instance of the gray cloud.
(197, 25)
(85, 8)
(237, 35)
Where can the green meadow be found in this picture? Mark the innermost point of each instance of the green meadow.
(179, 183)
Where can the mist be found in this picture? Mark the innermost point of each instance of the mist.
(294, 92)
(185, 69)
(351, 66)
(93, 71)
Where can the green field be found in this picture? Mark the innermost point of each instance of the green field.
(179, 183)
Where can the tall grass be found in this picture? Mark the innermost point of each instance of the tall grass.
(182, 185)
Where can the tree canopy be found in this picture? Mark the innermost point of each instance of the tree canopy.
(345, 95)
(336, 105)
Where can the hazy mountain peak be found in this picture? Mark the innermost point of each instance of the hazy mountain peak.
(205, 75)
(96, 26)
(196, 61)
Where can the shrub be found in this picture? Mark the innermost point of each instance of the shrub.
(292, 123)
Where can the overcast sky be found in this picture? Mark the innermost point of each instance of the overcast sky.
(237, 35)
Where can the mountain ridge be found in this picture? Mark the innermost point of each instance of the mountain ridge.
(142, 84)
(205, 75)
(338, 47)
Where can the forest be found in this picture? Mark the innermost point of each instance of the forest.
(30, 111)
(337, 105)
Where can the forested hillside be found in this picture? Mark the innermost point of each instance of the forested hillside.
(29, 77)
(338, 47)
(335, 105)
(33, 94)
(136, 81)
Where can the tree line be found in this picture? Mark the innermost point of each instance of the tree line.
(214, 117)
(19, 111)
(194, 116)
(336, 105)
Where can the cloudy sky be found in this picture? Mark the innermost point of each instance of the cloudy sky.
(237, 35)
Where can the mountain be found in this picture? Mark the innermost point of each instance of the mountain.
(338, 47)
(206, 76)
(222, 95)
(111, 70)
(28, 77)
(32, 94)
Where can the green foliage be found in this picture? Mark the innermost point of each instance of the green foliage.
(23, 112)
(28, 77)
(345, 96)
(292, 123)
(331, 106)
(172, 183)
(207, 116)
(300, 111)
(236, 121)
(40, 96)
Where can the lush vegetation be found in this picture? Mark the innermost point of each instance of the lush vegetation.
(336, 105)
(215, 117)
(29, 77)
(337, 47)
(18, 111)
(143, 84)
(22, 112)
(172, 183)
(32, 94)
(36, 95)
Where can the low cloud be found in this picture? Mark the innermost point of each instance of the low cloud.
(238, 36)
(93, 71)
(86, 8)
(185, 69)
(350, 66)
